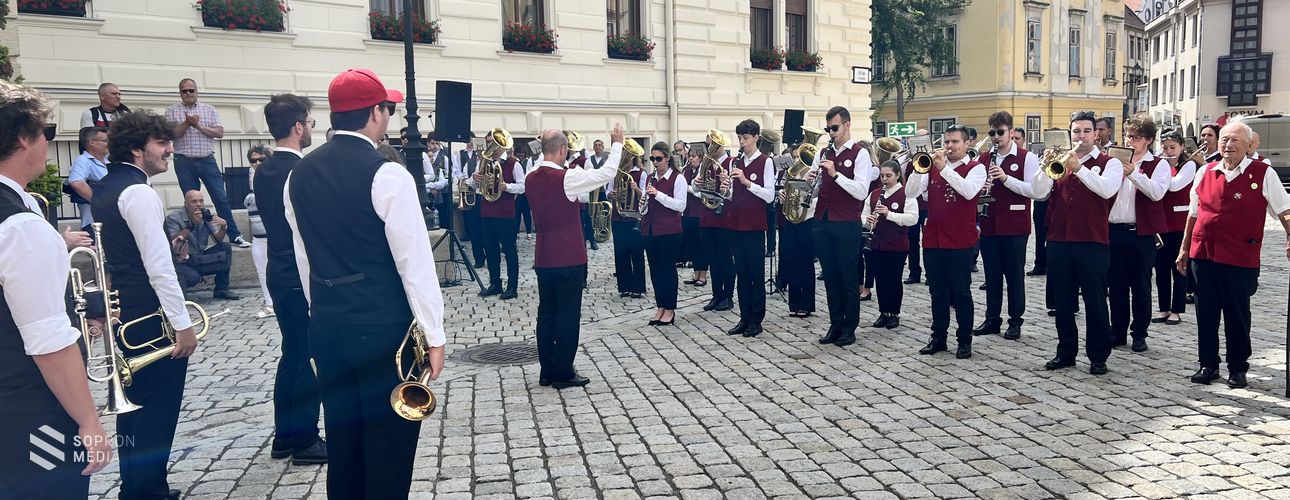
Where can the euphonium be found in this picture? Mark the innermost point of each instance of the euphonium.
(412, 398)
(797, 190)
(109, 367)
(710, 170)
(497, 142)
(768, 141)
(599, 212)
(887, 148)
(627, 195)
(1058, 153)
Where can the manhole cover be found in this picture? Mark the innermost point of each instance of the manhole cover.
(517, 353)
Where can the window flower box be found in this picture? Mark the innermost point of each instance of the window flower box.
(521, 37)
(803, 61)
(254, 15)
(390, 27)
(636, 48)
(69, 8)
(768, 59)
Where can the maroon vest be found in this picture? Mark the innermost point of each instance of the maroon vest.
(835, 203)
(1077, 214)
(1176, 205)
(889, 236)
(951, 218)
(747, 211)
(1149, 216)
(1010, 212)
(708, 218)
(693, 205)
(635, 174)
(660, 220)
(1229, 216)
(504, 207)
(559, 227)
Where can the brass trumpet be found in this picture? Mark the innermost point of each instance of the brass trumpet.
(412, 399)
(626, 197)
(497, 141)
(1058, 153)
(923, 150)
(167, 332)
(109, 367)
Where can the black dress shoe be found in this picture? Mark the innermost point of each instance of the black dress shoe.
(724, 305)
(866, 297)
(988, 327)
(665, 323)
(1191, 298)
(509, 294)
(1098, 368)
(491, 291)
(933, 347)
(752, 331)
(174, 494)
(315, 454)
(279, 450)
(706, 307)
(1036, 272)
(1236, 380)
(576, 381)
(893, 321)
(881, 322)
(832, 336)
(1139, 345)
(964, 351)
(982, 287)
(225, 295)
(846, 338)
(479, 264)
(1158, 319)
(1204, 375)
(689, 282)
(1119, 341)
(911, 280)
(1052, 313)
(653, 322)
(738, 329)
(544, 382)
(1058, 363)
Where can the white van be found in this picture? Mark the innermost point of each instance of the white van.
(1274, 142)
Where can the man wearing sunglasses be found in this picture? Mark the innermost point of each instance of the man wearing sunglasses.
(197, 126)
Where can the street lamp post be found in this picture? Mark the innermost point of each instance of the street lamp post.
(413, 147)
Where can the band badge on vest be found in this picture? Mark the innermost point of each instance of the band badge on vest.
(1097, 170)
(752, 177)
(1254, 186)
(1014, 167)
(847, 163)
(1237, 195)
(895, 206)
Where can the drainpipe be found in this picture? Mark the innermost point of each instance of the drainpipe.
(674, 119)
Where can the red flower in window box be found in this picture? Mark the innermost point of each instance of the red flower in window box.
(70, 8)
(632, 47)
(768, 59)
(523, 37)
(257, 15)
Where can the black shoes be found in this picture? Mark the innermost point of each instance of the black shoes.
(989, 327)
(226, 295)
(576, 381)
(893, 321)
(911, 280)
(1205, 375)
(1120, 341)
(752, 331)
(706, 307)
(491, 291)
(881, 322)
(279, 450)
(739, 328)
(509, 294)
(1058, 363)
(479, 263)
(1139, 344)
(845, 338)
(830, 337)
(544, 381)
(1036, 272)
(1191, 298)
(1013, 333)
(866, 297)
(964, 351)
(934, 346)
(982, 287)
(724, 305)
(1098, 368)
(315, 454)
(1236, 380)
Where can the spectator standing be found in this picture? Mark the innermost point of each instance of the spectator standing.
(197, 125)
(109, 107)
(259, 238)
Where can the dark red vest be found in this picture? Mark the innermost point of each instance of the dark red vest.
(693, 205)
(1229, 216)
(747, 211)
(951, 217)
(1077, 214)
(889, 236)
(708, 218)
(835, 203)
(504, 207)
(1176, 205)
(1010, 212)
(559, 227)
(660, 220)
(1149, 216)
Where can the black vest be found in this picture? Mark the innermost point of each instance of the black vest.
(353, 279)
(469, 160)
(270, 179)
(124, 261)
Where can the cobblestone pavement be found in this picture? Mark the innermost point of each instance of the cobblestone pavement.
(686, 411)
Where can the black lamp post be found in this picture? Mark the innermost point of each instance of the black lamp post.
(413, 147)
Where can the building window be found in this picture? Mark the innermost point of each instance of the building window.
(1034, 130)
(1246, 19)
(938, 126)
(1155, 48)
(623, 18)
(879, 129)
(395, 7)
(762, 25)
(1155, 91)
(1182, 84)
(795, 20)
(1173, 86)
(1195, 30)
(1074, 51)
(1034, 44)
(951, 34)
(530, 12)
(1243, 79)
(1112, 46)
(1195, 79)
(879, 68)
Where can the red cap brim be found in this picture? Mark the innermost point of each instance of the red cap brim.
(393, 96)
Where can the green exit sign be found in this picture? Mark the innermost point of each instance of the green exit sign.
(902, 129)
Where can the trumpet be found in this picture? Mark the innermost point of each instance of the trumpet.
(496, 143)
(109, 367)
(626, 197)
(1058, 152)
(412, 399)
(463, 196)
(922, 156)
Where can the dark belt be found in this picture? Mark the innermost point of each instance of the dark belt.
(335, 282)
(1125, 227)
(283, 253)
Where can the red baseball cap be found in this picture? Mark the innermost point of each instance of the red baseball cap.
(358, 89)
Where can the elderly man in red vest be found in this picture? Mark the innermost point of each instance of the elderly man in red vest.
(1225, 231)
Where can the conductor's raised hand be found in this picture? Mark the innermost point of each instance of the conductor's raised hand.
(617, 134)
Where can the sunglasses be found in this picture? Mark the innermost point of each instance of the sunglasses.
(187, 91)
(389, 107)
(50, 132)
(257, 160)
(310, 122)
(999, 132)
(833, 128)
(657, 158)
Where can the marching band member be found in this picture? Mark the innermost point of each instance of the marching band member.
(578, 159)
(753, 182)
(691, 235)
(1223, 236)
(797, 258)
(368, 273)
(1209, 141)
(952, 187)
(1137, 216)
(500, 226)
(1079, 244)
(42, 373)
(890, 213)
(661, 227)
(847, 172)
(464, 166)
(1006, 227)
(714, 228)
(295, 390)
(1171, 286)
(629, 245)
(559, 257)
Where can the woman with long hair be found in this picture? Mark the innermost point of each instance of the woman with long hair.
(691, 237)
(1171, 286)
(665, 190)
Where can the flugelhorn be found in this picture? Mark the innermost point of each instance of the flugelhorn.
(923, 149)
(1058, 153)
(109, 366)
(412, 399)
(497, 142)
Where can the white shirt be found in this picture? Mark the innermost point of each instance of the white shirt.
(1021, 186)
(677, 199)
(579, 182)
(394, 198)
(1273, 190)
(435, 178)
(766, 189)
(1104, 184)
(967, 186)
(1124, 210)
(516, 187)
(905, 216)
(33, 262)
(857, 187)
(1182, 179)
(459, 168)
(145, 216)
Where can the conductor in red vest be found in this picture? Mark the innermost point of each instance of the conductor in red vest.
(952, 186)
(1079, 252)
(559, 255)
(1222, 240)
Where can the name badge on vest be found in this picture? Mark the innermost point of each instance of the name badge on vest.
(1097, 170)
(1017, 208)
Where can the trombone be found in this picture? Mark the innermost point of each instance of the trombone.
(412, 399)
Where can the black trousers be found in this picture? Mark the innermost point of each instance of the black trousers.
(1075, 266)
(692, 244)
(797, 264)
(559, 313)
(445, 208)
(629, 256)
(837, 244)
(721, 262)
(1005, 259)
(864, 269)
(1171, 287)
(370, 448)
(1039, 214)
(146, 434)
(889, 270)
(475, 232)
(662, 252)
(523, 214)
(949, 276)
(1130, 281)
(1223, 294)
(749, 248)
(772, 214)
(295, 390)
(915, 246)
(499, 241)
(190, 275)
(587, 232)
(28, 470)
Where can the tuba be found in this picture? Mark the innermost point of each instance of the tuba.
(1058, 153)
(798, 193)
(626, 198)
(709, 182)
(496, 143)
(599, 212)
(412, 398)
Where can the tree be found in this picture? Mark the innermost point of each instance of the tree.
(6, 68)
(909, 36)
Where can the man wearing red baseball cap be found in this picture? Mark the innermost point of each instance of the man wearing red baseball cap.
(367, 270)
